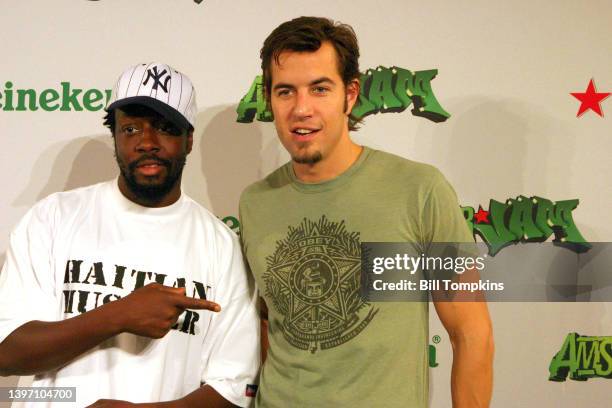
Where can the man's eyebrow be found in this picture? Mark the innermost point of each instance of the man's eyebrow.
(318, 81)
(282, 85)
(322, 80)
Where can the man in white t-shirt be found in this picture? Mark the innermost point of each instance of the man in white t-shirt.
(129, 290)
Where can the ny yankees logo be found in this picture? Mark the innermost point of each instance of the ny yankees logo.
(152, 73)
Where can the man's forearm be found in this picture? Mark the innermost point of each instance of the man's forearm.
(264, 339)
(205, 397)
(150, 311)
(472, 373)
(263, 329)
(37, 346)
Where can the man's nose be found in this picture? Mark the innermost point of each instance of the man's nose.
(303, 105)
(148, 140)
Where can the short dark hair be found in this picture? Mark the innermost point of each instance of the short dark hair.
(307, 34)
(139, 111)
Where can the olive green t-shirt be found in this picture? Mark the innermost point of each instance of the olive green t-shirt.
(329, 347)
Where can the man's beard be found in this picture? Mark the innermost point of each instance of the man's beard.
(151, 192)
(308, 159)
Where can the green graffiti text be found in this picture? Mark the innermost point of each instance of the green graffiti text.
(582, 357)
(525, 219)
(382, 90)
(432, 356)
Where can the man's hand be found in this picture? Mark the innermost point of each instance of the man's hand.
(152, 310)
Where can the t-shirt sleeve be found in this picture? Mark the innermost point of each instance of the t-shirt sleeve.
(231, 350)
(443, 220)
(27, 282)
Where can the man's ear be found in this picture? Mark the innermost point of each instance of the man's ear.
(189, 141)
(352, 93)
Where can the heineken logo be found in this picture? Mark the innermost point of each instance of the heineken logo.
(382, 90)
(63, 98)
(525, 219)
(582, 357)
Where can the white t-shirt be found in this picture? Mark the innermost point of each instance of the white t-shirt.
(77, 250)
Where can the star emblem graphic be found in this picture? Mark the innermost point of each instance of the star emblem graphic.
(481, 216)
(332, 305)
(590, 99)
(313, 278)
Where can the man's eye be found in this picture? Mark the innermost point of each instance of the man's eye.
(319, 89)
(129, 129)
(283, 92)
(169, 129)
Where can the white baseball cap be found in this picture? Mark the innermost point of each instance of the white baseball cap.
(159, 87)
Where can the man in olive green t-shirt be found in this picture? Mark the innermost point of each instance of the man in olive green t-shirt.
(301, 227)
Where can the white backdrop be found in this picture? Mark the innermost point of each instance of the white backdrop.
(506, 70)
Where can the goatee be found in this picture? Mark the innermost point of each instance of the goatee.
(308, 159)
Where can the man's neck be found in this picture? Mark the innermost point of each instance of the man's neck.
(153, 202)
(330, 167)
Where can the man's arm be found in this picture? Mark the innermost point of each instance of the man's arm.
(466, 320)
(150, 311)
(471, 335)
(205, 397)
(263, 316)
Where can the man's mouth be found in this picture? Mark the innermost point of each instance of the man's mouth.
(304, 134)
(149, 167)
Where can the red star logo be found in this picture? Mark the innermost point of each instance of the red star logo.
(481, 216)
(590, 99)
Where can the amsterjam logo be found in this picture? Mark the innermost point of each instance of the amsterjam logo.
(582, 357)
(525, 219)
(382, 90)
(590, 99)
(65, 98)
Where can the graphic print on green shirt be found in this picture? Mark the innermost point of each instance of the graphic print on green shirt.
(313, 280)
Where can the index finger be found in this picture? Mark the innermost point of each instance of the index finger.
(191, 303)
(171, 289)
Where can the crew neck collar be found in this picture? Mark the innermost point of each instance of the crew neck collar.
(331, 183)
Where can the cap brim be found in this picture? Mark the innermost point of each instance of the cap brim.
(166, 111)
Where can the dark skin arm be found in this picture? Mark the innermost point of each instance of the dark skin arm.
(203, 394)
(263, 316)
(150, 311)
